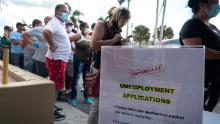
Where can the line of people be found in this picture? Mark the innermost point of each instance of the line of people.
(49, 50)
(59, 42)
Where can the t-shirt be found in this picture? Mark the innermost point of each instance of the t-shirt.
(16, 36)
(194, 28)
(40, 52)
(4, 41)
(210, 36)
(72, 45)
(61, 40)
(29, 49)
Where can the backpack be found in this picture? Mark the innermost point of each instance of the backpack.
(83, 49)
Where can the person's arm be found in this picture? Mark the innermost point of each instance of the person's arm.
(26, 40)
(97, 36)
(210, 54)
(48, 36)
(23, 43)
(74, 50)
(75, 38)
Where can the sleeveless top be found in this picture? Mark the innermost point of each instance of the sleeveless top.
(109, 34)
(210, 36)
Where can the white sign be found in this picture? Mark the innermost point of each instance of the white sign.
(151, 85)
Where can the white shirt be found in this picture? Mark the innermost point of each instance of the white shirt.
(71, 34)
(61, 40)
(72, 45)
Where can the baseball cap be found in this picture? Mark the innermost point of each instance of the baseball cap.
(20, 24)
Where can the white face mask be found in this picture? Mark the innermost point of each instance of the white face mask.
(87, 31)
(69, 29)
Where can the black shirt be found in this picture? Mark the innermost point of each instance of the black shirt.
(210, 35)
(109, 34)
(194, 28)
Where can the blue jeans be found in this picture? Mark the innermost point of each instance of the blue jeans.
(78, 68)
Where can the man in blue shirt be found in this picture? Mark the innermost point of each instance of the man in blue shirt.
(16, 51)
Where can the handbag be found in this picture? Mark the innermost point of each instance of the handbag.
(92, 78)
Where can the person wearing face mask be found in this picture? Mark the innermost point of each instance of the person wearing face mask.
(199, 31)
(59, 49)
(79, 65)
(69, 29)
(16, 51)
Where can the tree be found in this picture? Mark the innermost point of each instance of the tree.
(69, 7)
(167, 32)
(121, 1)
(100, 19)
(28, 25)
(141, 34)
(23, 21)
(77, 13)
(75, 17)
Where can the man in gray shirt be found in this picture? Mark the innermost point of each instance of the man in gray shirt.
(41, 45)
(28, 46)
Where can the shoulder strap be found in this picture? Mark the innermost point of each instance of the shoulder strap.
(90, 66)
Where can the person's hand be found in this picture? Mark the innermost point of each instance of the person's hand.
(117, 38)
(52, 48)
(7, 35)
(126, 40)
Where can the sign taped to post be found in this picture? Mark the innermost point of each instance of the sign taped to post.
(151, 85)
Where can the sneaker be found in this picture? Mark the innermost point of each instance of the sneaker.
(88, 101)
(72, 102)
(58, 109)
(58, 116)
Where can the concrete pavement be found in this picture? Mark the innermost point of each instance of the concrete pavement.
(73, 115)
(77, 114)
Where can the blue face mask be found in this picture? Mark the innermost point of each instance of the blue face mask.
(213, 12)
(64, 17)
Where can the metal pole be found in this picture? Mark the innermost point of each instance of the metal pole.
(156, 22)
(132, 42)
(5, 65)
(162, 24)
(128, 20)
